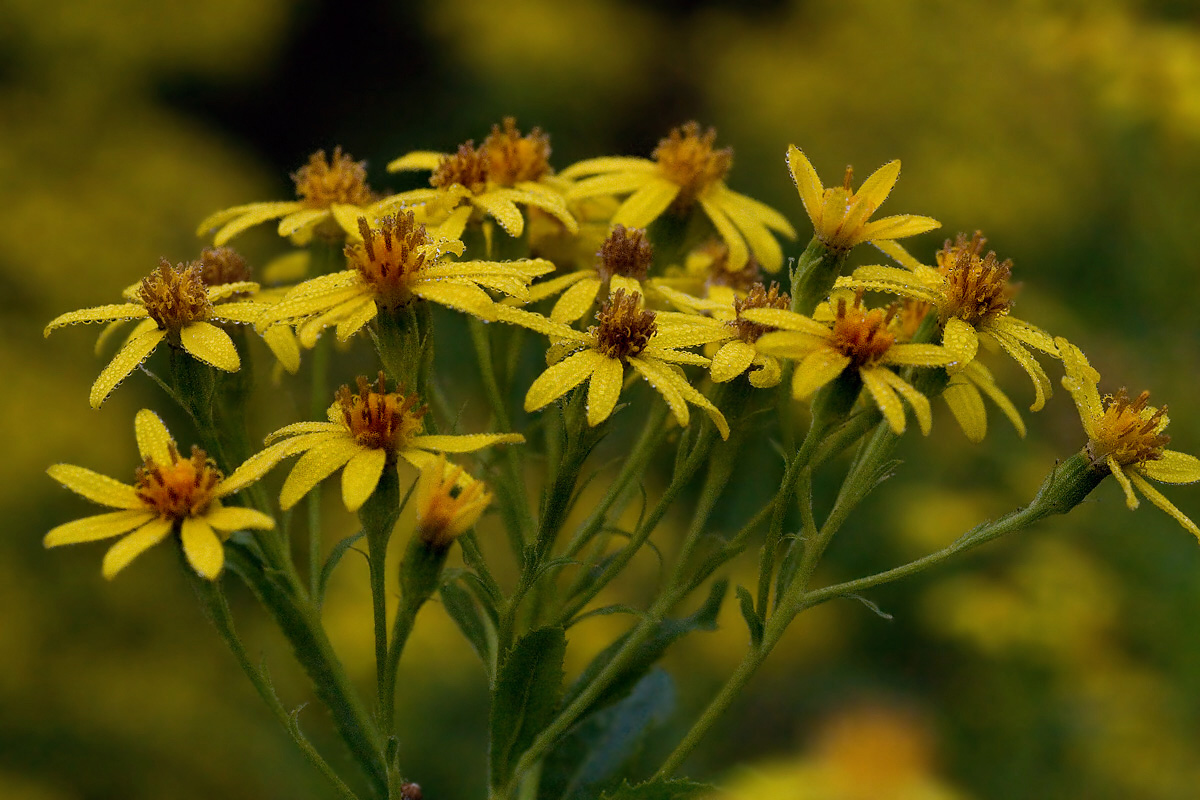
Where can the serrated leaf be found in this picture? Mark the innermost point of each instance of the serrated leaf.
(525, 698)
(335, 555)
(475, 625)
(753, 620)
(661, 790)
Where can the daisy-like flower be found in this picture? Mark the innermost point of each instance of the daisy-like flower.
(332, 194)
(626, 334)
(449, 502)
(173, 303)
(686, 170)
(621, 263)
(506, 170)
(171, 494)
(366, 432)
(394, 263)
(841, 216)
(735, 352)
(973, 297)
(856, 338)
(1126, 438)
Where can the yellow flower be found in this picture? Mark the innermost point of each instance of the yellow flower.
(973, 297)
(1125, 437)
(621, 263)
(706, 272)
(449, 502)
(686, 170)
(736, 352)
(333, 195)
(171, 494)
(856, 338)
(391, 265)
(841, 216)
(627, 334)
(365, 432)
(506, 170)
(172, 303)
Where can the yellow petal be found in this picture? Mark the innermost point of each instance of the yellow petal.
(1041, 383)
(739, 254)
(361, 476)
(885, 397)
(547, 201)
(464, 443)
(1026, 334)
(1157, 497)
(347, 216)
(136, 543)
(1080, 381)
(1172, 467)
(646, 204)
(314, 466)
(918, 401)
(898, 254)
(288, 310)
(356, 318)
(264, 461)
(416, 160)
(223, 216)
(202, 547)
(127, 359)
(549, 288)
(961, 340)
(786, 321)
(255, 213)
(967, 406)
(96, 487)
(767, 373)
(222, 291)
(817, 369)
(464, 297)
(242, 311)
(808, 184)
(575, 301)
(662, 383)
(760, 212)
(210, 344)
(593, 166)
(111, 313)
(99, 526)
(1130, 498)
(675, 377)
(876, 188)
(153, 438)
(603, 390)
(237, 518)
(503, 210)
(561, 378)
(298, 220)
(282, 342)
(898, 227)
(918, 355)
(731, 360)
(982, 378)
(765, 247)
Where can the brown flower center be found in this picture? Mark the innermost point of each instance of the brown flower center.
(626, 252)
(381, 419)
(389, 258)
(625, 328)
(686, 158)
(183, 488)
(1129, 431)
(862, 334)
(175, 296)
(977, 287)
(220, 265)
(513, 158)
(321, 183)
(758, 297)
(467, 167)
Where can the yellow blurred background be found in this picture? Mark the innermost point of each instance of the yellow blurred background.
(1063, 663)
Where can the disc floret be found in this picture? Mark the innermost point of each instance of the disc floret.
(379, 419)
(625, 327)
(687, 158)
(323, 182)
(175, 296)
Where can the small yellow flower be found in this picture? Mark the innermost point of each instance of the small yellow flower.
(736, 352)
(173, 303)
(841, 216)
(506, 170)
(449, 502)
(392, 264)
(171, 494)
(856, 338)
(1125, 437)
(332, 194)
(365, 432)
(621, 263)
(627, 334)
(972, 294)
(686, 170)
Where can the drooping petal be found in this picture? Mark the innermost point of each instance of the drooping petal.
(96, 487)
(255, 214)
(314, 466)
(203, 547)
(768, 372)
(120, 312)
(817, 369)
(808, 184)
(561, 378)
(663, 384)
(356, 317)
(1172, 467)
(282, 343)
(731, 360)
(136, 543)
(763, 244)
(961, 340)
(127, 359)
(463, 296)
(210, 344)
(299, 220)
(464, 443)
(361, 475)
(288, 310)
(1157, 497)
(237, 518)
(885, 397)
(967, 406)
(1131, 499)
(1027, 334)
(646, 204)
(918, 401)
(739, 253)
(1041, 383)
(99, 526)
(982, 378)
(761, 212)
(551, 203)
(603, 390)
(153, 438)
(675, 377)
(499, 206)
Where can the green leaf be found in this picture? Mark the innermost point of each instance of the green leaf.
(603, 749)
(335, 555)
(753, 620)
(659, 789)
(476, 626)
(525, 697)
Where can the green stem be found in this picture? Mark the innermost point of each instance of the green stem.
(378, 516)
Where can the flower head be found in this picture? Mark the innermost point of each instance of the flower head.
(622, 262)
(449, 502)
(1126, 436)
(686, 171)
(366, 431)
(841, 216)
(332, 194)
(171, 494)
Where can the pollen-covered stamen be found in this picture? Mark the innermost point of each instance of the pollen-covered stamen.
(513, 158)
(977, 287)
(381, 419)
(1129, 431)
(861, 334)
(182, 488)
(626, 252)
(220, 265)
(467, 167)
(758, 297)
(175, 296)
(341, 179)
(687, 158)
(389, 258)
(625, 327)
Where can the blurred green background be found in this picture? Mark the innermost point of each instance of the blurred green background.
(1063, 663)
